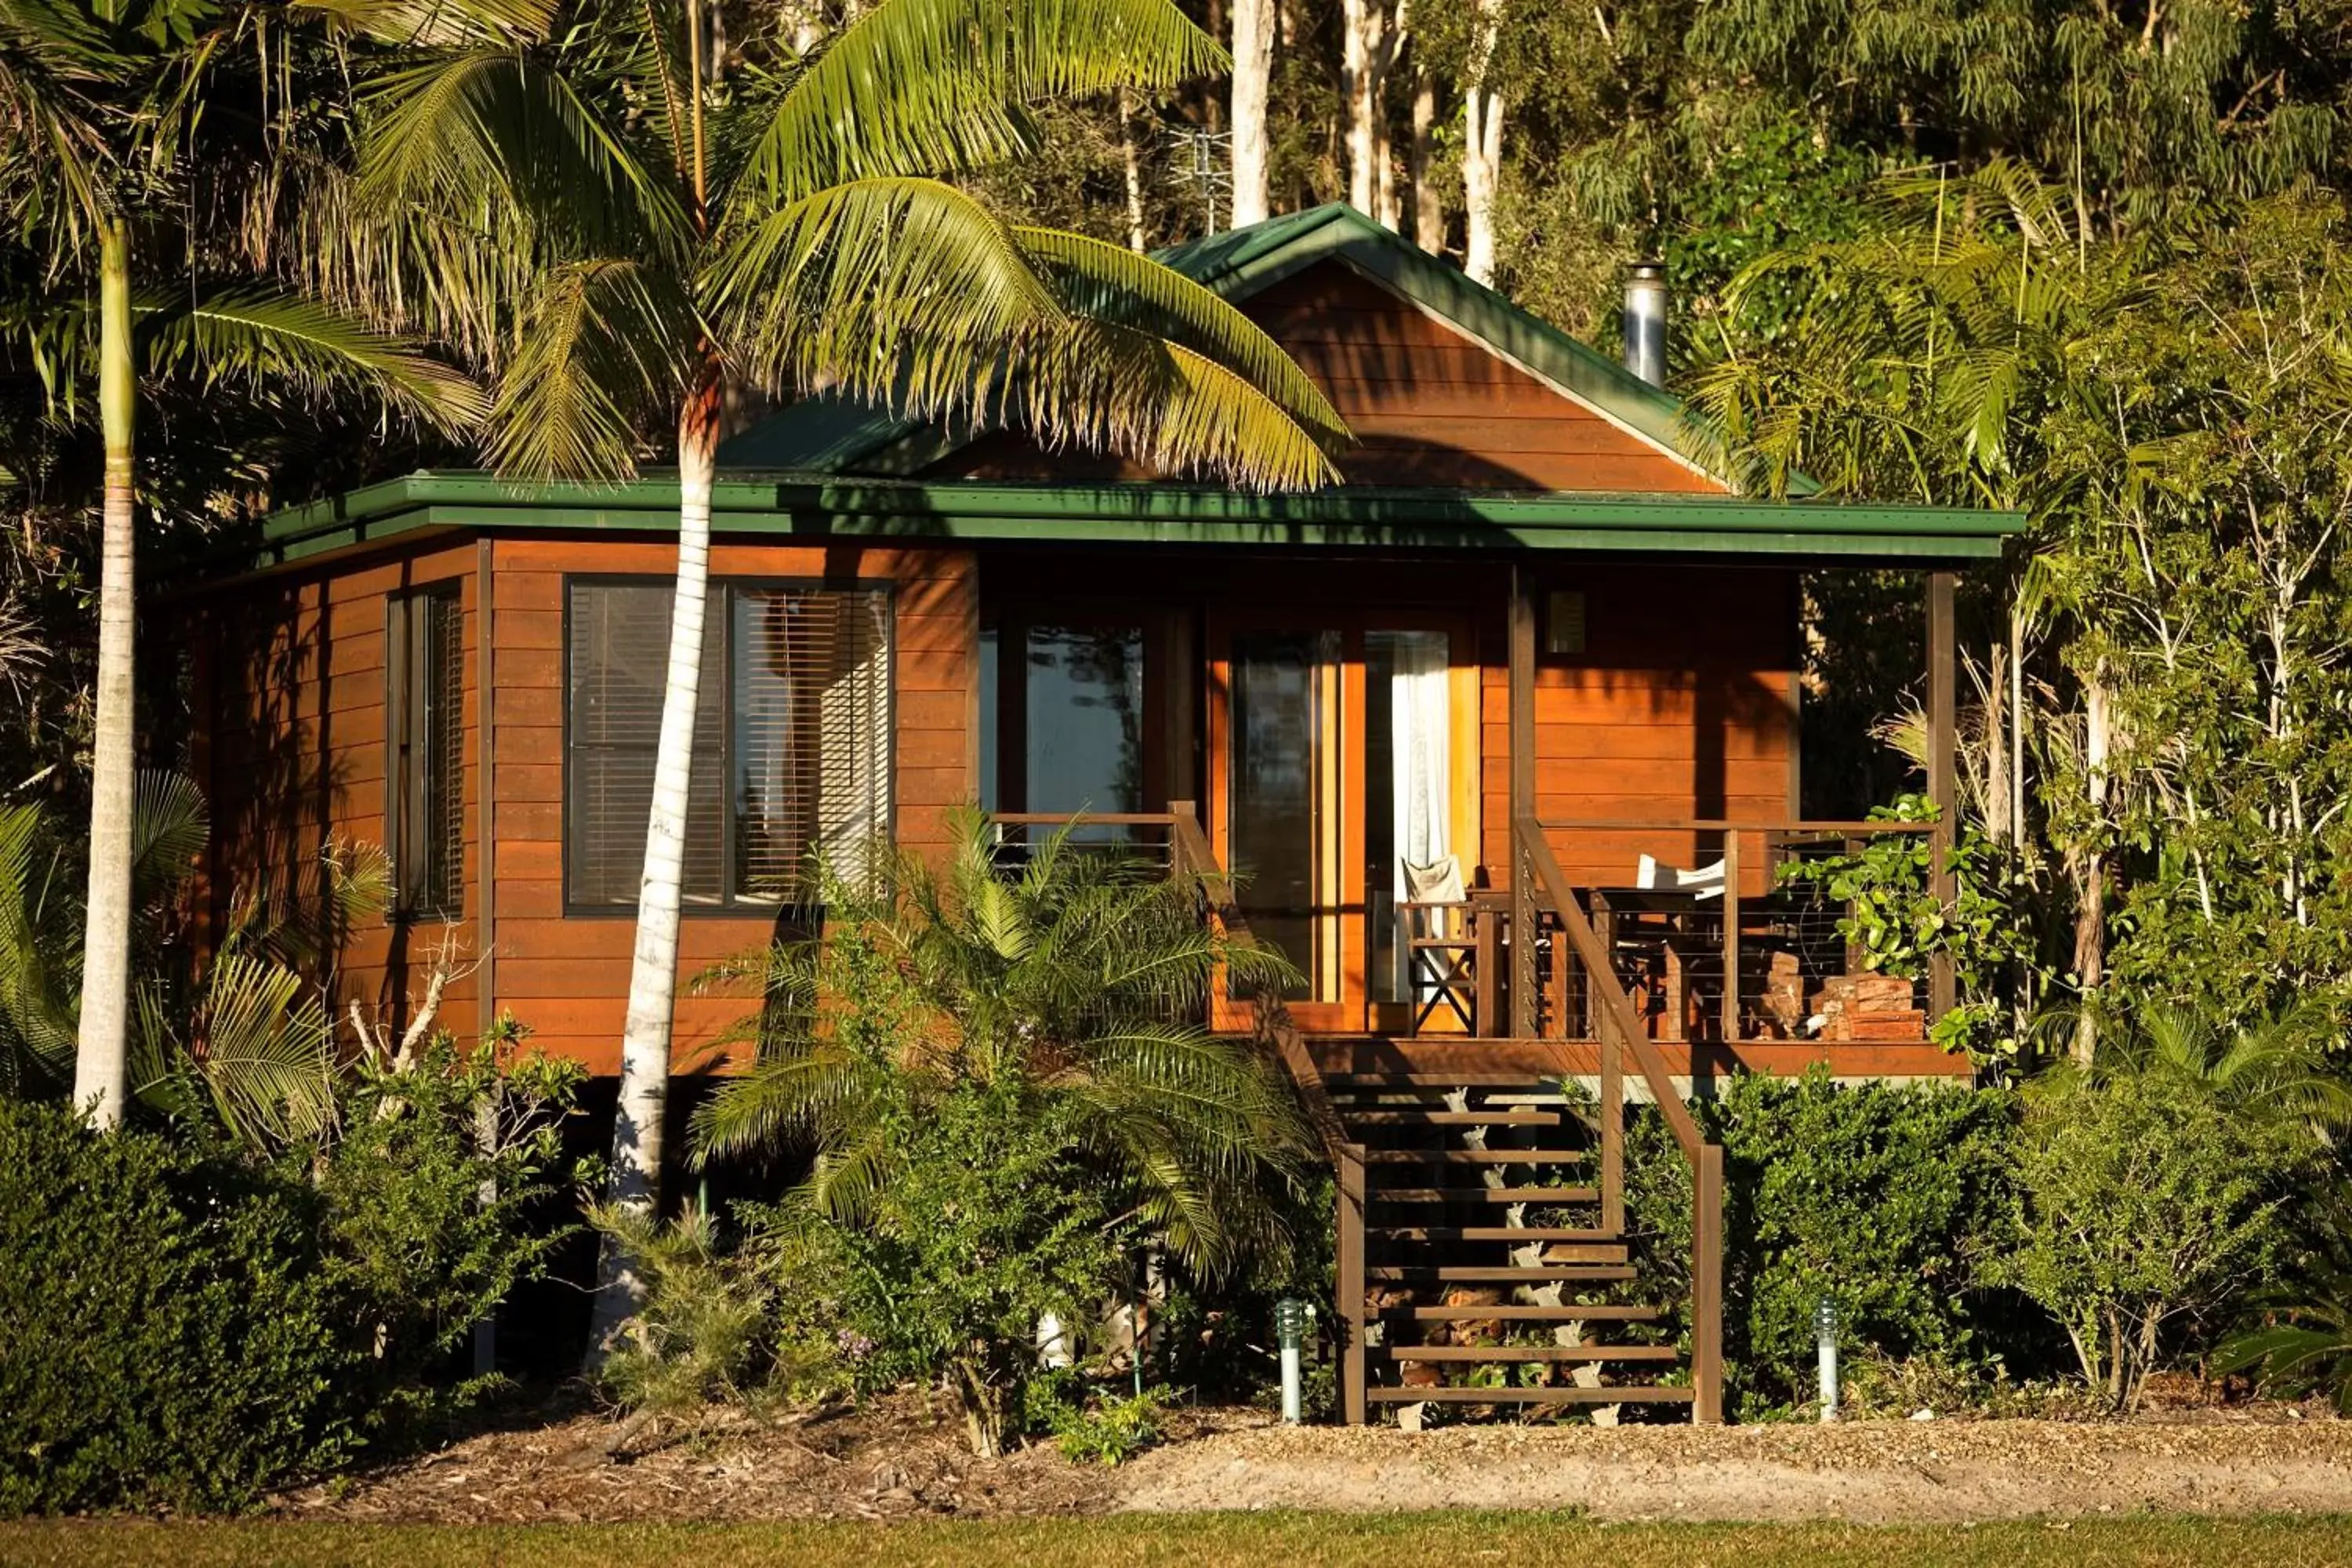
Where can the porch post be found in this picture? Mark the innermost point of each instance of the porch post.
(1523, 802)
(1942, 768)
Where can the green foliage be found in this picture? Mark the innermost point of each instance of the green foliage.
(214, 1323)
(1881, 1200)
(2143, 1205)
(2297, 1335)
(1067, 991)
(992, 1221)
(1898, 923)
(1094, 1425)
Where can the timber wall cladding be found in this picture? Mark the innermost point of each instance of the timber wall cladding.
(1428, 405)
(1679, 708)
(299, 752)
(294, 758)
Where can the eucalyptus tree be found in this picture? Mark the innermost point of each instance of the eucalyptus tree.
(620, 216)
(117, 169)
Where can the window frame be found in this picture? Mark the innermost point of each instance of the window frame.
(428, 904)
(729, 906)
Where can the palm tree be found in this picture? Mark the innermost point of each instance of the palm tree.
(103, 115)
(1077, 981)
(620, 221)
(2276, 1069)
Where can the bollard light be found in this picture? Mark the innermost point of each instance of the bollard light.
(1825, 1325)
(1290, 1316)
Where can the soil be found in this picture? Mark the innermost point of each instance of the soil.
(905, 1457)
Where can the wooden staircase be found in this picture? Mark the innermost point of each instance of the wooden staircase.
(1496, 1273)
(1482, 1252)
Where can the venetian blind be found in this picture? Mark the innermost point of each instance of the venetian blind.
(791, 738)
(424, 653)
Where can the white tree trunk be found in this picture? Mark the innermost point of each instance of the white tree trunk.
(1253, 71)
(1482, 151)
(653, 966)
(1131, 156)
(102, 1060)
(1428, 201)
(1356, 46)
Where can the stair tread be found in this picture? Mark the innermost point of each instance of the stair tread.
(1494, 1233)
(1478, 1156)
(1499, 1353)
(1401, 1116)
(1627, 1394)
(1486, 1195)
(1464, 1274)
(1515, 1312)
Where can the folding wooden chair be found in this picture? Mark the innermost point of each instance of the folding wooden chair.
(1442, 967)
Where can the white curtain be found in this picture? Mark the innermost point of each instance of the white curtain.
(1421, 722)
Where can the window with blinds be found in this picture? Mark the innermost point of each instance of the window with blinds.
(792, 747)
(424, 777)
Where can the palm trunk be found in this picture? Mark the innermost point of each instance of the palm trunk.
(101, 1062)
(1252, 70)
(653, 966)
(1356, 43)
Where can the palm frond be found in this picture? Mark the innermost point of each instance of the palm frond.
(263, 339)
(479, 130)
(1110, 283)
(170, 827)
(266, 1054)
(601, 357)
(935, 87)
(436, 24)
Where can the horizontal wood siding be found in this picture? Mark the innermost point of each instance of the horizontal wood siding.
(1678, 708)
(297, 755)
(1428, 405)
(293, 684)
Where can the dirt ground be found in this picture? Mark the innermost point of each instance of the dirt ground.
(904, 1458)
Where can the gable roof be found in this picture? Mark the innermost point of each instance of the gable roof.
(832, 435)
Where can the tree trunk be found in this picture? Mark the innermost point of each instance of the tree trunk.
(1428, 201)
(1132, 157)
(1253, 71)
(101, 1060)
(1356, 47)
(653, 966)
(2091, 880)
(1482, 151)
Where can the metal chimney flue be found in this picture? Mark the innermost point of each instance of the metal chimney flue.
(1645, 321)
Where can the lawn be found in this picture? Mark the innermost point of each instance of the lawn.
(1196, 1540)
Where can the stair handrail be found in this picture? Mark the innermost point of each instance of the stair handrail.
(1704, 1158)
(1193, 857)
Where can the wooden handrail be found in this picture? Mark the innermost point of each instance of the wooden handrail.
(1862, 830)
(1083, 818)
(1602, 975)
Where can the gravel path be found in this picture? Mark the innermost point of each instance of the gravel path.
(1879, 1472)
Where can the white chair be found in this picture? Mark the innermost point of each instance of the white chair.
(1656, 875)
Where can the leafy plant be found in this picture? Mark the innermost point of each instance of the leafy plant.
(1894, 918)
(2298, 1335)
(1093, 1426)
(2143, 1204)
(1881, 1200)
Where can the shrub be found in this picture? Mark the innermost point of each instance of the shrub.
(1094, 1426)
(2144, 1201)
(212, 1320)
(169, 1325)
(1881, 1199)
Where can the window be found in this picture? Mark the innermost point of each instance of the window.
(791, 738)
(425, 781)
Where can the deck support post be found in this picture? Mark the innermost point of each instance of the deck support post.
(1523, 802)
(1354, 1361)
(1942, 767)
(1706, 1285)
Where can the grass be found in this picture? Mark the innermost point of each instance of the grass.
(1197, 1541)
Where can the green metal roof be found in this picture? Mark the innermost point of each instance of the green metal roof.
(815, 507)
(829, 435)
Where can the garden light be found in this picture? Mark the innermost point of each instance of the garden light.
(1825, 1325)
(1290, 1316)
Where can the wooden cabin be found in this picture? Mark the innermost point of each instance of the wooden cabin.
(1530, 654)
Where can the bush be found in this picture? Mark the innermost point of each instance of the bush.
(2144, 1202)
(170, 1333)
(1881, 1199)
(212, 1322)
(1096, 1426)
